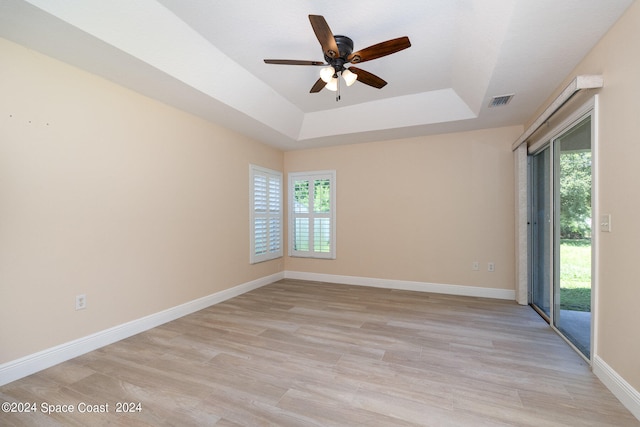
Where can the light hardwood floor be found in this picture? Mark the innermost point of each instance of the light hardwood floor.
(318, 354)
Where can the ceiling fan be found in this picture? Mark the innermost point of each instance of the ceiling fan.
(338, 51)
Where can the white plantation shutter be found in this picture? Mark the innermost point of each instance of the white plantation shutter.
(275, 214)
(312, 219)
(266, 214)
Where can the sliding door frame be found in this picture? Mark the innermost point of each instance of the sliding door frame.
(589, 108)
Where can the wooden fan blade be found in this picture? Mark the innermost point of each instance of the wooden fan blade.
(317, 86)
(368, 78)
(379, 50)
(292, 62)
(324, 35)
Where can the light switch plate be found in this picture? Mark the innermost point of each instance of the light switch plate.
(605, 223)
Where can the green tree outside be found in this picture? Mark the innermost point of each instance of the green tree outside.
(575, 230)
(575, 195)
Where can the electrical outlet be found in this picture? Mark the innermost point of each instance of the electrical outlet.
(475, 266)
(81, 302)
(491, 267)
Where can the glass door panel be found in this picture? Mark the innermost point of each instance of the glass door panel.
(572, 235)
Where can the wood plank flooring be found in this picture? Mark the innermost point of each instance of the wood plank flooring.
(300, 353)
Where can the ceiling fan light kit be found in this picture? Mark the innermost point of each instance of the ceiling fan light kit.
(330, 77)
(338, 51)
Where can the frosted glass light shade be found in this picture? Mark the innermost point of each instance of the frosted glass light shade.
(327, 73)
(332, 85)
(349, 77)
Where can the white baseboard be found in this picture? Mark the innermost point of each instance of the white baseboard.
(33, 363)
(471, 291)
(626, 394)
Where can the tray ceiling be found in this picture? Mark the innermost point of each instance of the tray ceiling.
(206, 57)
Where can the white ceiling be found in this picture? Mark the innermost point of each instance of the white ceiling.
(206, 57)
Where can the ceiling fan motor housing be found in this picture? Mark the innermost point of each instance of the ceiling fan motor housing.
(345, 48)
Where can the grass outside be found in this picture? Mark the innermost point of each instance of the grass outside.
(575, 275)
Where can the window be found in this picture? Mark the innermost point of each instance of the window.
(312, 207)
(266, 214)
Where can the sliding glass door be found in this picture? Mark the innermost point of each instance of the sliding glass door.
(560, 251)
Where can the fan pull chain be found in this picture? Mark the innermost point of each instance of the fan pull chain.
(338, 91)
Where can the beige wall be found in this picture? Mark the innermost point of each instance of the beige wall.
(142, 207)
(108, 193)
(421, 209)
